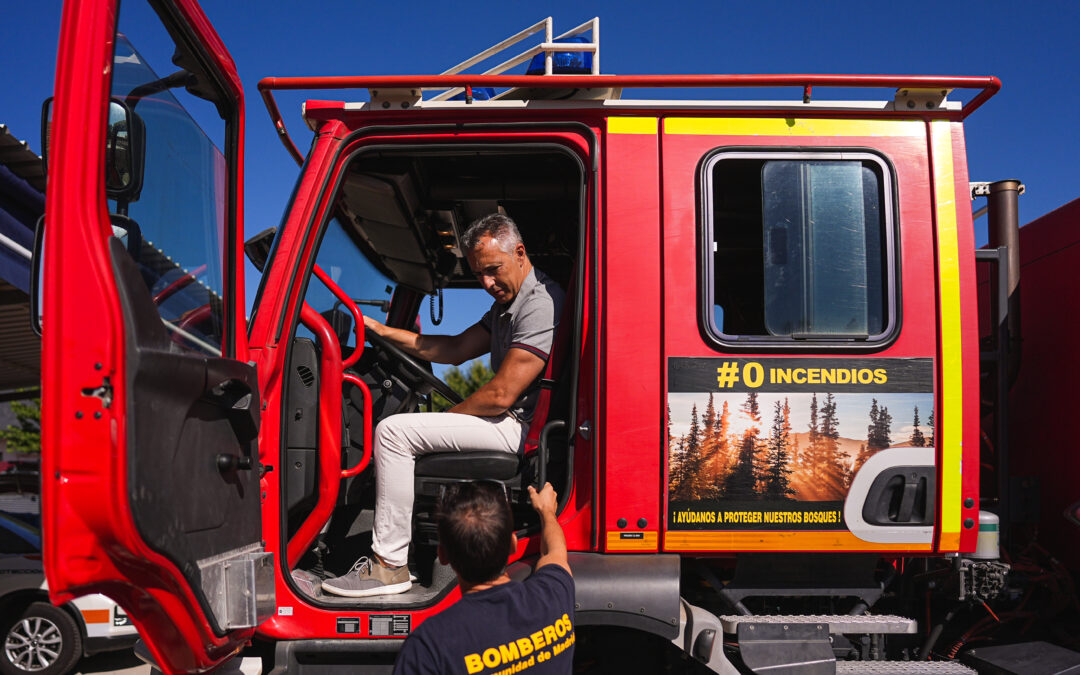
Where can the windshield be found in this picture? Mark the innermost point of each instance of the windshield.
(346, 265)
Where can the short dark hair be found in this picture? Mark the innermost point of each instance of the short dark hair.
(501, 228)
(475, 526)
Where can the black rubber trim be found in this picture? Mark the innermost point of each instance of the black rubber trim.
(331, 657)
(98, 645)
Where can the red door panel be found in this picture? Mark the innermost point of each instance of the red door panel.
(150, 413)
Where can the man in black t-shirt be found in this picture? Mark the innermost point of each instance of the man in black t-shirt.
(498, 626)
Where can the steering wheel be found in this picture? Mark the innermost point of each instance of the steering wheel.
(413, 366)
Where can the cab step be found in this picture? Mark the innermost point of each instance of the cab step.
(902, 668)
(836, 623)
(769, 644)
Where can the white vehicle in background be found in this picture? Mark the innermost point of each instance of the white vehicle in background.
(36, 636)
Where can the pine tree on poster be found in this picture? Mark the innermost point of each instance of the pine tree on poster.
(676, 454)
(708, 423)
(878, 431)
(813, 442)
(694, 461)
(741, 483)
(778, 474)
(691, 481)
(930, 426)
(708, 443)
(873, 441)
(719, 460)
(884, 433)
(917, 438)
(829, 464)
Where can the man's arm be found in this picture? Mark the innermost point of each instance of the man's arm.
(452, 349)
(517, 371)
(552, 539)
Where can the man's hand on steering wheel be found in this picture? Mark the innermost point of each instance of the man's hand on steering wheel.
(414, 366)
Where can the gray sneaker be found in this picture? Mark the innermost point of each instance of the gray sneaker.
(368, 577)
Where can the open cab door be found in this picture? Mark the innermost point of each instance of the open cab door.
(151, 411)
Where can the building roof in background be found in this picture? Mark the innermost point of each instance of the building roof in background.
(20, 357)
(21, 203)
(23, 162)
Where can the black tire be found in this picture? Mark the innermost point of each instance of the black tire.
(40, 640)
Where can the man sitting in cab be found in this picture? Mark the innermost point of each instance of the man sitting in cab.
(518, 331)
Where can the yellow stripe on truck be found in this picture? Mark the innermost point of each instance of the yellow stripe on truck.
(951, 397)
(790, 126)
(633, 125)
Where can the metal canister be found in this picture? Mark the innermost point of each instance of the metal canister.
(987, 546)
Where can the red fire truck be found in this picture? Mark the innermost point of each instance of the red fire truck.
(777, 432)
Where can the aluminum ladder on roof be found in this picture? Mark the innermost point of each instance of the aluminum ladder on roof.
(548, 47)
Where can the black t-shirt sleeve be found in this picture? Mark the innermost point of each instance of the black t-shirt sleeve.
(556, 581)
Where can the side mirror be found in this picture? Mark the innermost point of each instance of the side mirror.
(35, 276)
(258, 247)
(125, 149)
(46, 133)
(124, 153)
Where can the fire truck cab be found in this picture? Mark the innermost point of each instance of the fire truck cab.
(761, 414)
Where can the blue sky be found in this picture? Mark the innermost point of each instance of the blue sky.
(1028, 131)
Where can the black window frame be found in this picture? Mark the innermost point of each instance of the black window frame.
(786, 344)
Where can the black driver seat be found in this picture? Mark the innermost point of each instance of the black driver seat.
(488, 464)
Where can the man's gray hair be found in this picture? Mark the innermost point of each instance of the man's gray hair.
(497, 226)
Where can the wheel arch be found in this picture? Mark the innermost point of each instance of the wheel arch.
(640, 592)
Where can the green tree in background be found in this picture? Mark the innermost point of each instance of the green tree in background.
(476, 375)
(25, 434)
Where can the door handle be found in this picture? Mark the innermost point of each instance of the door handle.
(231, 387)
(227, 463)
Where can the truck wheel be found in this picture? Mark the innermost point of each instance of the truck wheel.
(42, 640)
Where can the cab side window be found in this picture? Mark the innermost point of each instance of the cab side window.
(798, 249)
(171, 189)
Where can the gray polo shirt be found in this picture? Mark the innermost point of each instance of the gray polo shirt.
(528, 323)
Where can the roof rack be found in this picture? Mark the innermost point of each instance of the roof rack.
(548, 47)
(987, 86)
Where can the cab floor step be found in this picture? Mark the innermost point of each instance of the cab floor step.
(902, 668)
(838, 623)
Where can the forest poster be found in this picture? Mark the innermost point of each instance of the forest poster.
(773, 444)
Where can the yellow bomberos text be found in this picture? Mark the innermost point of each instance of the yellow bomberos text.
(526, 651)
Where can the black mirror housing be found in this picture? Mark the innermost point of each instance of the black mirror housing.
(125, 149)
(125, 153)
(258, 247)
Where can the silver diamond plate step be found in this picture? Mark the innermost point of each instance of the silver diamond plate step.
(902, 668)
(838, 623)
